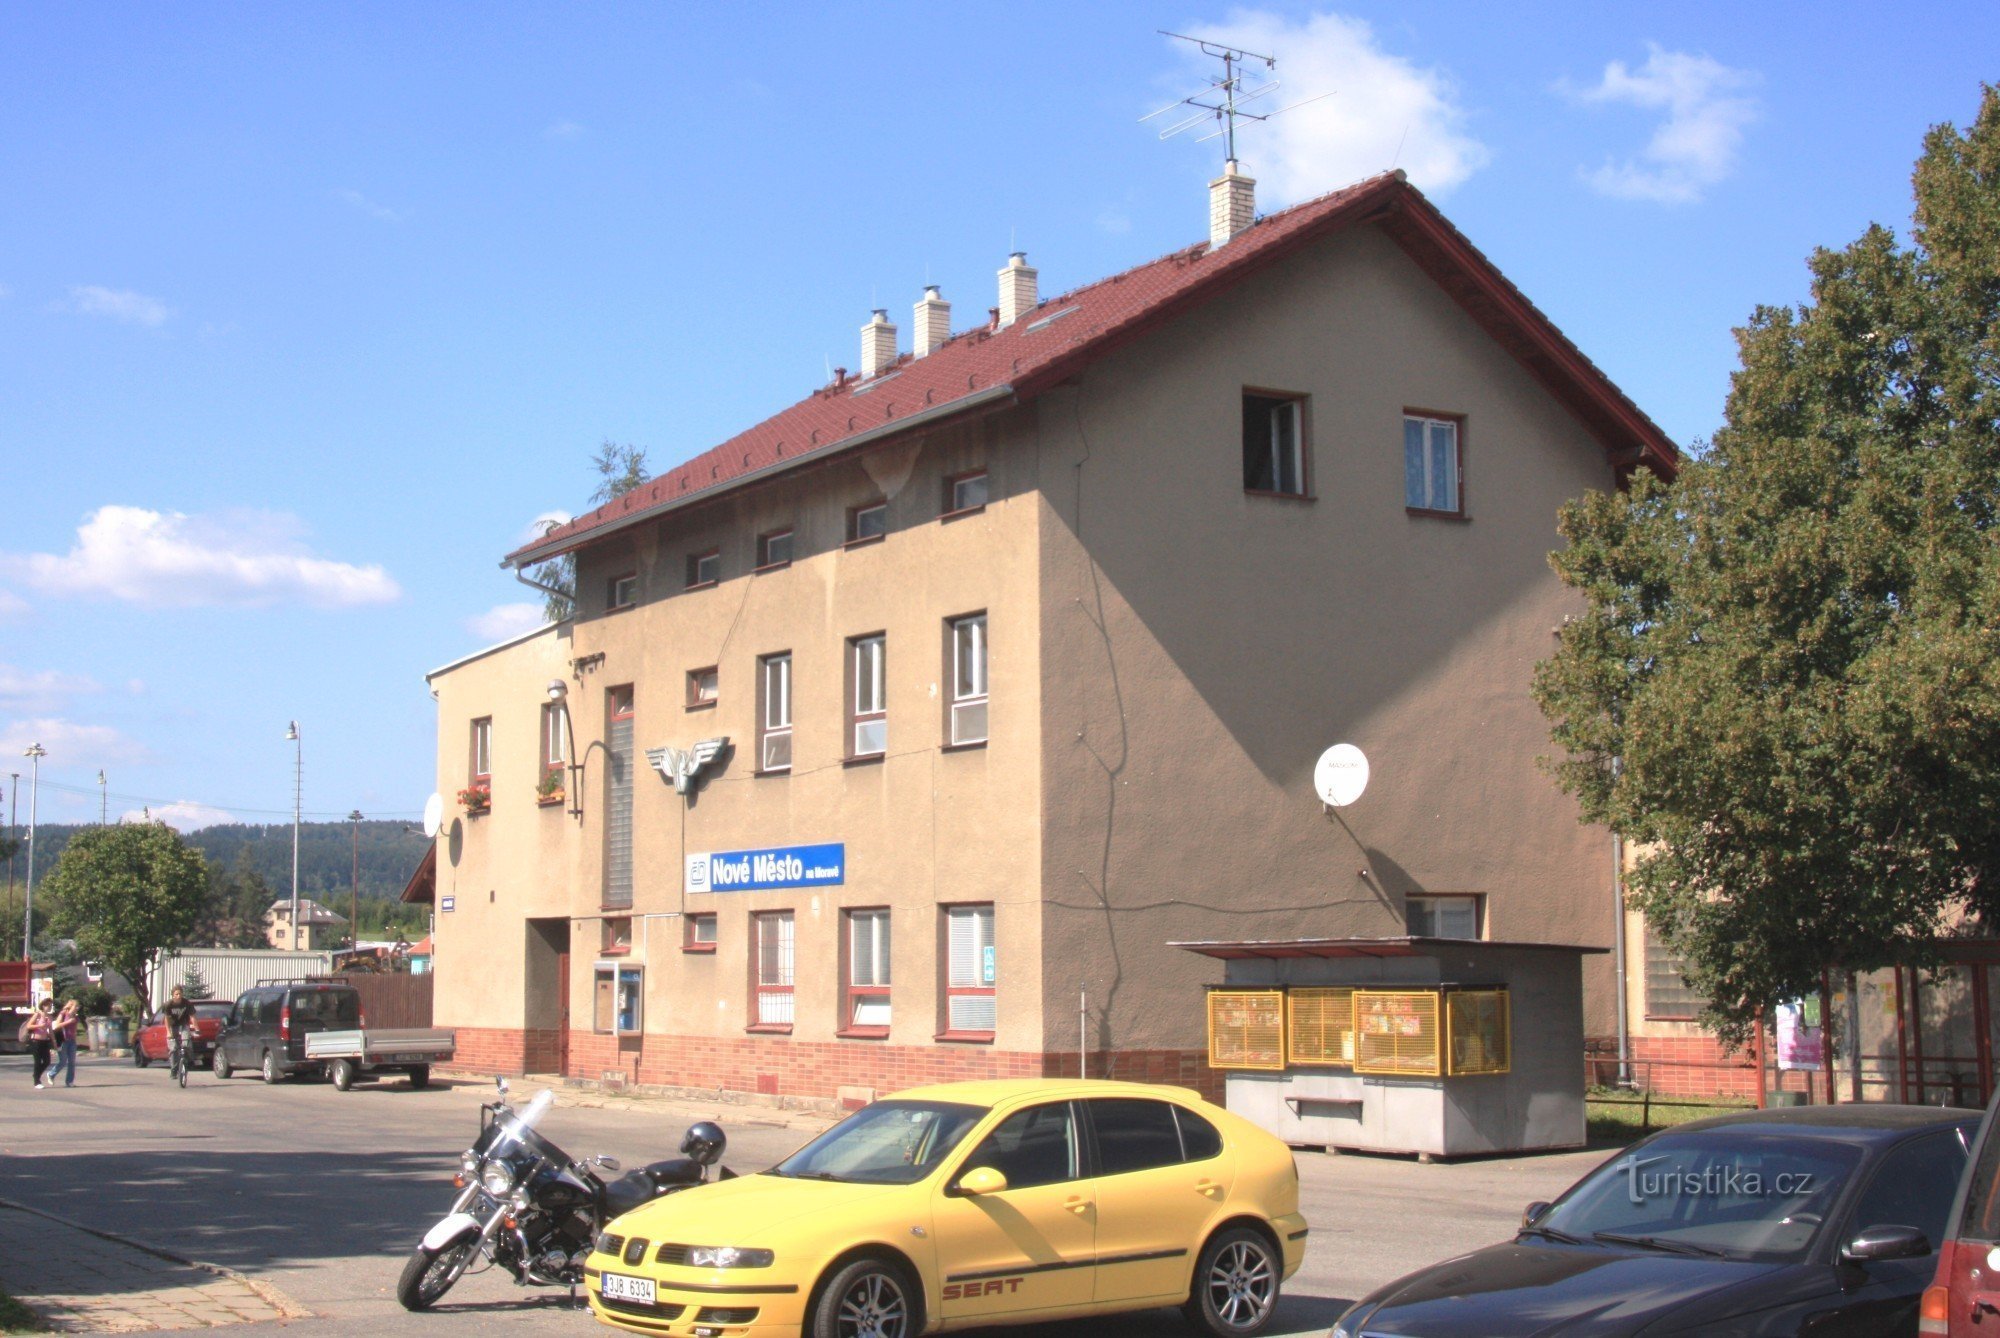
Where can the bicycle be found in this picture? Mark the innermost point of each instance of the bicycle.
(177, 1070)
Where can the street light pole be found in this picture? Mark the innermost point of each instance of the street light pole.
(298, 796)
(35, 754)
(13, 809)
(354, 906)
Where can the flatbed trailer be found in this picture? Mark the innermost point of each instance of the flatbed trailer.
(365, 1055)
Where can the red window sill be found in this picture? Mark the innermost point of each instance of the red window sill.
(864, 1034)
(863, 543)
(701, 706)
(970, 1037)
(702, 585)
(625, 951)
(1435, 515)
(1274, 495)
(865, 760)
(618, 608)
(770, 566)
(961, 513)
(963, 747)
(698, 947)
(549, 800)
(614, 911)
(769, 1029)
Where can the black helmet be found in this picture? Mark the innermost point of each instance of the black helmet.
(704, 1142)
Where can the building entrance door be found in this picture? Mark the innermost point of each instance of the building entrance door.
(562, 998)
(545, 998)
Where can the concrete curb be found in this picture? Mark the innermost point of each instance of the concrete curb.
(287, 1308)
(692, 1104)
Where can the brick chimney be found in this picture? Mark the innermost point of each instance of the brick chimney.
(1232, 205)
(878, 344)
(933, 321)
(1017, 289)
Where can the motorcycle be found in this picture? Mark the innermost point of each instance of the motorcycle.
(529, 1207)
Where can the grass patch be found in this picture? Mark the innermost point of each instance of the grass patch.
(1624, 1117)
(17, 1318)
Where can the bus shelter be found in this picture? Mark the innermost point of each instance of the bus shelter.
(1440, 1047)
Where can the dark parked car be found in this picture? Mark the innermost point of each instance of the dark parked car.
(266, 1031)
(1964, 1296)
(1815, 1220)
(151, 1042)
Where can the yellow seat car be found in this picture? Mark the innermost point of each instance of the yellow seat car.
(975, 1203)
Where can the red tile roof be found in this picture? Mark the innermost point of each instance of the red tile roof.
(987, 367)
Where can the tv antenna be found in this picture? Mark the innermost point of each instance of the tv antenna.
(1223, 98)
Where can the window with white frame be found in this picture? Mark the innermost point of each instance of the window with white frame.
(1442, 917)
(482, 750)
(869, 700)
(774, 549)
(621, 591)
(867, 977)
(771, 966)
(968, 679)
(704, 568)
(966, 492)
(867, 522)
(774, 712)
(1274, 449)
(698, 932)
(1431, 465)
(703, 686)
(554, 744)
(970, 971)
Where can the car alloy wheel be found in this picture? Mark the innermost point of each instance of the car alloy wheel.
(221, 1066)
(867, 1299)
(271, 1073)
(1237, 1284)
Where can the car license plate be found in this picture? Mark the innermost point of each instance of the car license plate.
(618, 1287)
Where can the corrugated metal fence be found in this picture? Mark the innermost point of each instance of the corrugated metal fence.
(229, 971)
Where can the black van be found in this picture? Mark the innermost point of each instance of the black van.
(267, 1028)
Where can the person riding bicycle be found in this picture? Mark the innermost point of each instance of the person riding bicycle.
(179, 1015)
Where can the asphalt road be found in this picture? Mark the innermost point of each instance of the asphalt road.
(323, 1194)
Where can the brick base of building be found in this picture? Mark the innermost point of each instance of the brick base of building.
(1680, 1066)
(818, 1074)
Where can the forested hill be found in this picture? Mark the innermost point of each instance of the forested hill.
(389, 852)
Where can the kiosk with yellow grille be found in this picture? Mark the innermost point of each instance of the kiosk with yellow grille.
(1440, 1047)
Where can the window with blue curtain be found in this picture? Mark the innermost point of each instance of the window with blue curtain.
(1430, 464)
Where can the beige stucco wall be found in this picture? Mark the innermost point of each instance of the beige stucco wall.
(510, 864)
(1203, 646)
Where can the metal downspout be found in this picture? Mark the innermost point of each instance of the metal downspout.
(1618, 958)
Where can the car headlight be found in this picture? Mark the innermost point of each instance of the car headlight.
(497, 1178)
(727, 1256)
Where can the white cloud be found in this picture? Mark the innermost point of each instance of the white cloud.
(21, 690)
(183, 815)
(354, 199)
(504, 622)
(1384, 111)
(70, 745)
(166, 559)
(542, 524)
(1114, 221)
(563, 130)
(11, 604)
(1707, 108)
(119, 304)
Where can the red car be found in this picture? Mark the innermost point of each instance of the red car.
(151, 1042)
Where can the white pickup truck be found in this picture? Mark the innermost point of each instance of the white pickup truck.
(364, 1055)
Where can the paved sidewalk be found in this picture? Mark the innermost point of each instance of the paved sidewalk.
(79, 1281)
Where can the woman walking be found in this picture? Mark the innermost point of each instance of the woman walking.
(40, 1029)
(65, 1044)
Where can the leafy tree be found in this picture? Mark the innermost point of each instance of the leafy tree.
(620, 468)
(123, 891)
(1787, 682)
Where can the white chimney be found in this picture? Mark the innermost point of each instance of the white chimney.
(933, 322)
(878, 344)
(1232, 205)
(1017, 289)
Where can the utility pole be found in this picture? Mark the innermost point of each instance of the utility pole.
(13, 808)
(103, 801)
(35, 754)
(354, 906)
(298, 797)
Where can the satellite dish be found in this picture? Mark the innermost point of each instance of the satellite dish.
(433, 814)
(1341, 775)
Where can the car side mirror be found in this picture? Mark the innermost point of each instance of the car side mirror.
(1885, 1242)
(1533, 1212)
(981, 1180)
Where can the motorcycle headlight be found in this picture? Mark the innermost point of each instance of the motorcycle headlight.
(468, 1165)
(727, 1256)
(497, 1178)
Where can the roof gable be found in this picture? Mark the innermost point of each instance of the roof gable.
(986, 367)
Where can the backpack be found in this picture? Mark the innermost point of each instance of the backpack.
(22, 1035)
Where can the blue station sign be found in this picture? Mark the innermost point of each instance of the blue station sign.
(771, 870)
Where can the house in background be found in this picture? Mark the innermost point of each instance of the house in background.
(895, 738)
(319, 927)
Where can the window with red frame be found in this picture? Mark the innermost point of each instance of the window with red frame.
(970, 971)
(771, 970)
(865, 976)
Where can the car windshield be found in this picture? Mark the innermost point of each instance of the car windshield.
(1737, 1193)
(211, 1012)
(887, 1143)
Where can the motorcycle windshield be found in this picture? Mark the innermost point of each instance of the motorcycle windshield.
(518, 1127)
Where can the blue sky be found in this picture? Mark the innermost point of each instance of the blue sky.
(307, 312)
